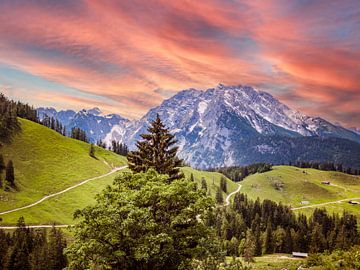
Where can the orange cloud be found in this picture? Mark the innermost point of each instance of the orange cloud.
(124, 50)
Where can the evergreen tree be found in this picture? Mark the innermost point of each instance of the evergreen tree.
(10, 175)
(223, 184)
(2, 164)
(56, 259)
(156, 151)
(268, 241)
(249, 247)
(203, 184)
(2, 168)
(219, 197)
(92, 151)
(192, 178)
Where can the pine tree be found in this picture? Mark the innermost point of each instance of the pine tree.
(156, 151)
(268, 241)
(56, 259)
(10, 175)
(249, 247)
(219, 198)
(192, 178)
(223, 184)
(2, 164)
(203, 184)
(2, 168)
(92, 151)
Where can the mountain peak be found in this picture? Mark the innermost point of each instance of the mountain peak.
(95, 111)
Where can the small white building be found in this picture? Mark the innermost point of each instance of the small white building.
(304, 202)
(300, 255)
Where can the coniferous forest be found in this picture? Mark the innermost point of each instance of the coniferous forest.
(32, 249)
(9, 111)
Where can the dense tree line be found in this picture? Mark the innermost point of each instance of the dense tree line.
(238, 173)
(54, 124)
(251, 228)
(336, 260)
(79, 134)
(8, 168)
(29, 249)
(119, 148)
(325, 166)
(9, 111)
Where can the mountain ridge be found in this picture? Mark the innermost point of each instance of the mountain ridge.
(237, 125)
(214, 125)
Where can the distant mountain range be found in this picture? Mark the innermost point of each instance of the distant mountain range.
(95, 124)
(228, 125)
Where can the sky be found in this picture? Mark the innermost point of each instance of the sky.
(127, 56)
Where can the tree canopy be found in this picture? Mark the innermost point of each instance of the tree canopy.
(156, 150)
(142, 222)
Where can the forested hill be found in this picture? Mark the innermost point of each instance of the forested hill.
(46, 162)
(9, 111)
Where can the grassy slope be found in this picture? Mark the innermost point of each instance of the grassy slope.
(46, 162)
(212, 180)
(60, 209)
(304, 185)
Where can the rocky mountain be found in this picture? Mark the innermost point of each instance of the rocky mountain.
(356, 130)
(95, 124)
(236, 125)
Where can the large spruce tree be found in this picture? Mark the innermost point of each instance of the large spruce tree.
(10, 175)
(2, 168)
(156, 150)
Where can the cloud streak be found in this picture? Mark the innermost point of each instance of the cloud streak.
(304, 52)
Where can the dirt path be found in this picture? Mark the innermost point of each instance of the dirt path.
(63, 191)
(322, 204)
(227, 200)
(35, 226)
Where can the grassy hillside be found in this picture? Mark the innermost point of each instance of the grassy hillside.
(46, 162)
(212, 180)
(293, 185)
(60, 209)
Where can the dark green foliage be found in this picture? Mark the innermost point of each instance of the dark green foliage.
(192, 178)
(337, 260)
(219, 197)
(54, 124)
(326, 166)
(92, 151)
(281, 230)
(143, 222)
(249, 247)
(101, 144)
(156, 151)
(119, 148)
(223, 184)
(79, 134)
(10, 174)
(238, 173)
(30, 249)
(203, 184)
(268, 241)
(9, 111)
(2, 168)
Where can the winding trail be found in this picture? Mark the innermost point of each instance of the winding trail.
(228, 197)
(61, 192)
(35, 226)
(322, 204)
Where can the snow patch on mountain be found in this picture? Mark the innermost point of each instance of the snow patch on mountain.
(215, 127)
